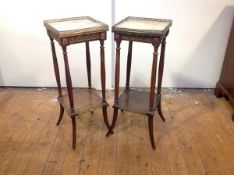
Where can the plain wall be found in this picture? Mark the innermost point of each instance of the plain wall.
(194, 54)
(25, 55)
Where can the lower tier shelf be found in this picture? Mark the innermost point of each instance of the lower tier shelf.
(85, 100)
(136, 101)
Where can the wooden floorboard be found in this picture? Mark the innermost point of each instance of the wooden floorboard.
(196, 139)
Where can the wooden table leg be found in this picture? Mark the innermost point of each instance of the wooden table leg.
(73, 118)
(152, 93)
(68, 77)
(129, 62)
(88, 64)
(103, 83)
(61, 114)
(117, 68)
(160, 76)
(57, 76)
(56, 67)
(115, 114)
(151, 129)
(153, 76)
(70, 93)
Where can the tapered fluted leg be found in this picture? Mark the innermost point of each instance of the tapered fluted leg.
(68, 78)
(57, 76)
(129, 62)
(151, 130)
(152, 93)
(73, 118)
(88, 64)
(103, 82)
(153, 77)
(70, 95)
(60, 114)
(56, 67)
(113, 122)
(160, 76)
(103, 70)
(117, 69)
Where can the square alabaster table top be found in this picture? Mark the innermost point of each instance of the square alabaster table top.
(75, 26)
(145, 26)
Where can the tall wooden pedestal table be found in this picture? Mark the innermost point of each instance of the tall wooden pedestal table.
(69, 31)
(146, 30)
